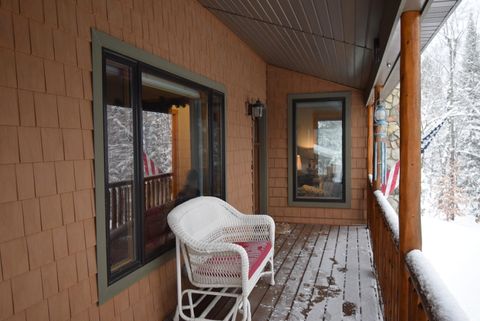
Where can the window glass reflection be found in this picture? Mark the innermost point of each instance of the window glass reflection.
(120, 173)
(319, 150)
(176, 154)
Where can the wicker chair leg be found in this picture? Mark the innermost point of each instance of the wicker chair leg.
(247, 313)
(176, 317)
(272, 271)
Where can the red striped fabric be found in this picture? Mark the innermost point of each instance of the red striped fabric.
(149, 166)
(392, 180)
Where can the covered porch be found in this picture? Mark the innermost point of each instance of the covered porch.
(80, 240)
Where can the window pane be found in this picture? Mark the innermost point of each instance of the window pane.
(319, 150)
(175, 153)
(120, 163)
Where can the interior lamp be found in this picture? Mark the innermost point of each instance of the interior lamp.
(299, 163)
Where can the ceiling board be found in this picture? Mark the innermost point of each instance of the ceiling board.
(329, 39)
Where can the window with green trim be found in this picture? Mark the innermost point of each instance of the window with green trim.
(163, 141)
(319, 149)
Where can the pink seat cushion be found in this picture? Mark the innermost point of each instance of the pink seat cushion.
(256, 252)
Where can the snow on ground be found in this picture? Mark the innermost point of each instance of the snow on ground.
(453, 248)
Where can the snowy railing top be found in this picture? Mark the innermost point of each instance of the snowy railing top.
(390, 215)
(437, 300)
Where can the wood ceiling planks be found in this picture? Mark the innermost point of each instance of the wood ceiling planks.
(330, 39)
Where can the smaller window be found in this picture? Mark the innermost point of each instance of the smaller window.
(318, 156)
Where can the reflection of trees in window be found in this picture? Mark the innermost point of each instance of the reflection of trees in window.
(158, 145)
(120, 147)
(329, 134)
(329, 145)
(157, 142)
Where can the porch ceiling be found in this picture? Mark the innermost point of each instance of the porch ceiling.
(434, 14)
(330, 39)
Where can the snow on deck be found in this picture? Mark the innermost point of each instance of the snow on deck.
(322, 273)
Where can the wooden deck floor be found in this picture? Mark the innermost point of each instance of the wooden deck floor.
(322, 273)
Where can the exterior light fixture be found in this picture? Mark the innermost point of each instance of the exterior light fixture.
(379, 151)
(380, 114)
(256, 109)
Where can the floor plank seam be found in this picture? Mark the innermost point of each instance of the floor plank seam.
(309, 298)
(280, 265)
(359, 275)
(304, 270)
(329, 280)
(378, 290)
(289, 274)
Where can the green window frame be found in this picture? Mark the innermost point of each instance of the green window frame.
(100, 43)
(294, 103)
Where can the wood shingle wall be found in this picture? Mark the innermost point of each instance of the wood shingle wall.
(47, 218)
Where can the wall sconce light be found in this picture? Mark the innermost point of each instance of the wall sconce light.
(256, 109)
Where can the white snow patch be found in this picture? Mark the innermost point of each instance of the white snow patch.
(444, 305)
(453, 248)
(390, 215)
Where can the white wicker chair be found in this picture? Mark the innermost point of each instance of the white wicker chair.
(223, 250)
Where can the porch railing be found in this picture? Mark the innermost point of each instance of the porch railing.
(157, 191)
(386, 254)
(120, 197)
(428, 297)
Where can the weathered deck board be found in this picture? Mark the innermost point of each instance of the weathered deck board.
(336, 281)
(351, 297)
(302, 298)
(322, 288)
(322, 273)
(290, 289)
(265, 308)
(369, 308)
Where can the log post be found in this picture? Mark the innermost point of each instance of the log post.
(370, 140)
(370, 205)
(410, 136)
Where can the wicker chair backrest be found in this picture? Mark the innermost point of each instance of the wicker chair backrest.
(201, 219)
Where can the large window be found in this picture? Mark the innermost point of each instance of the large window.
(163, 142)
(318, 148)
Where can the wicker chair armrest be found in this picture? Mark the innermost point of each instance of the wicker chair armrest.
(222, 249)
(264, 227)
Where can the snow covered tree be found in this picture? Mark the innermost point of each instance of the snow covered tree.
(469, 151)
(433, 110)
(451, 96)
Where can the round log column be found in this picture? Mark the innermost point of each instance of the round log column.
(410, 136)
(370, 140)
